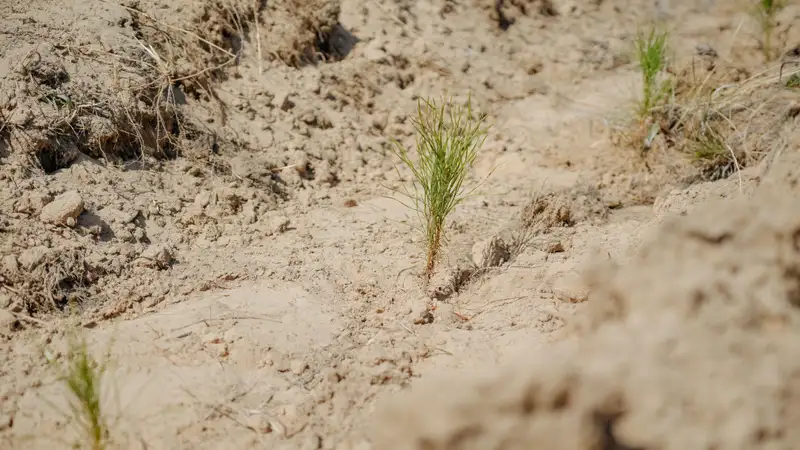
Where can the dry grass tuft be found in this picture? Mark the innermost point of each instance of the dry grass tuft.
(189, 61)
(719, 116)
(724, 121)
(60, 277)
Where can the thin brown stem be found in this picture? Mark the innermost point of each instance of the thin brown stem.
(433, 253)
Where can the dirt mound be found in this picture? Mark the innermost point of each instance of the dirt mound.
(114, 101)
(82, 93)
(665, 344)
(119, 95)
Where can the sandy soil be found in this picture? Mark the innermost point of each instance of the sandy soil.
(206, 187)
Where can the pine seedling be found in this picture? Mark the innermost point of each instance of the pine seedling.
(83, 374)
(651, 54)
(766, 12)
(448, 140)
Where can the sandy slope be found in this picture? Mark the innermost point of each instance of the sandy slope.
(259, 289)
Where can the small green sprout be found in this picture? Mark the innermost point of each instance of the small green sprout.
(766, 12)
(651, 54)
(83, 376)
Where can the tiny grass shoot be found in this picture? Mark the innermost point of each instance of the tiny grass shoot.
(83, 375)
(651, 50)
(766, 12)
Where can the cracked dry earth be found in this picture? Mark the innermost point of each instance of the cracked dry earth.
(277, 304)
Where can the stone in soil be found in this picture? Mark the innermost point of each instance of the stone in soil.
(63, 210)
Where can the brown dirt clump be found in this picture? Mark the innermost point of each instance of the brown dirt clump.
(564, 208)
(665, 345)
(301, 32)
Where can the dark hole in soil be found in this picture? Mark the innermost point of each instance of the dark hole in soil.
(502, 21)
(233, 42)
(48, 73)
(51, 160)
(336, 44)
(62, 151)
(47, 159)
(70, 287)
(608, 441)
(4, 151)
